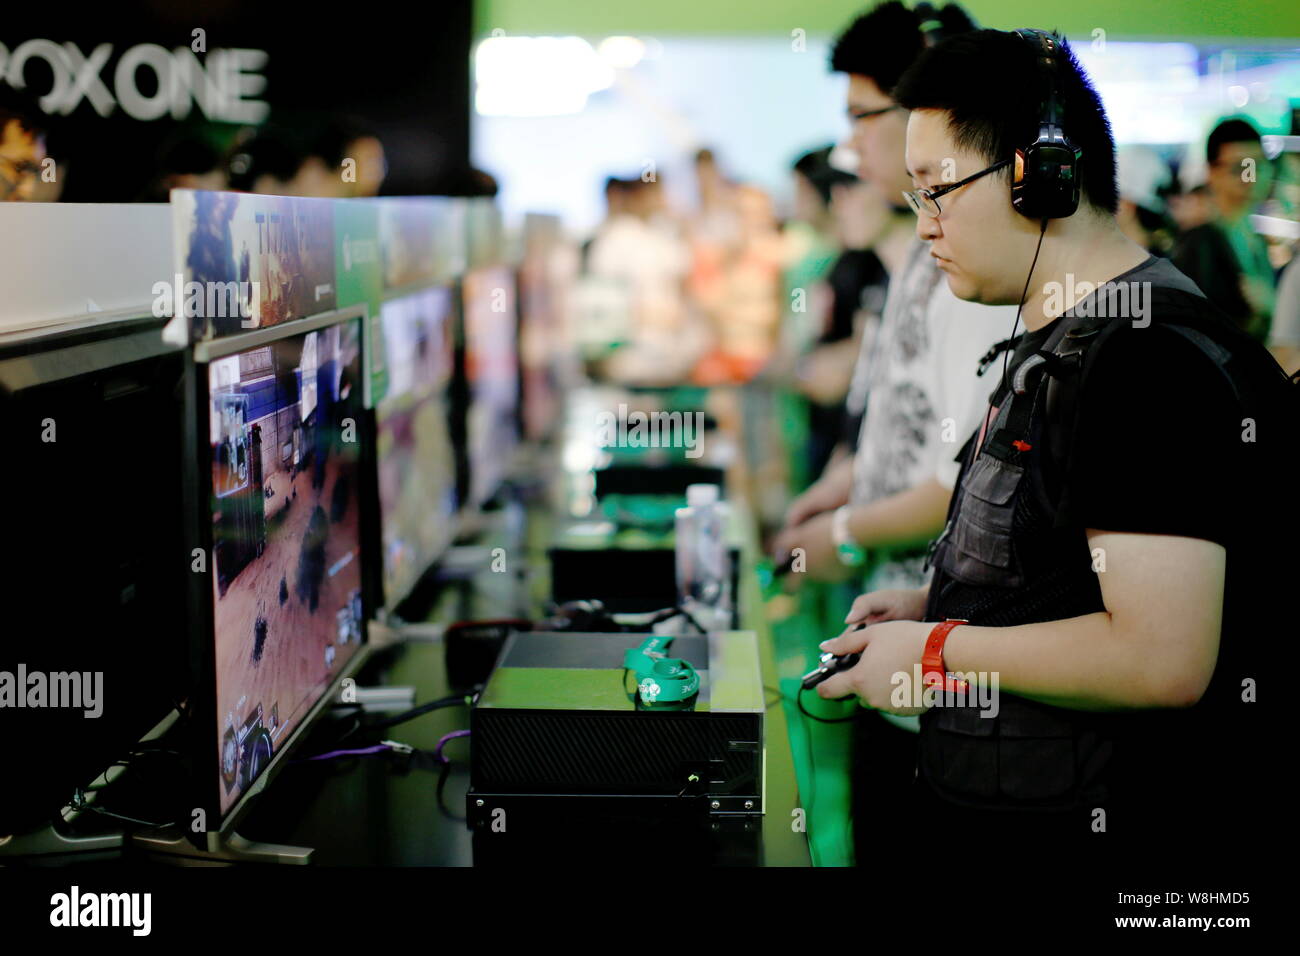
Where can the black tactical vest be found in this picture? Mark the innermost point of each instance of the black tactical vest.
(1002, 527)
(1005, 527)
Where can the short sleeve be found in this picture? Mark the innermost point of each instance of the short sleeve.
(1158, 433)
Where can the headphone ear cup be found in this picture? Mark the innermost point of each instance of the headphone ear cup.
(1022, 183)
(1046, 181)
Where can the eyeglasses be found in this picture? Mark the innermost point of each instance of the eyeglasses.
(22, 169)
(927, 201)
(868, 114)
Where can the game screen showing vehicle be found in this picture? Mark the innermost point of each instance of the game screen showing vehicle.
(417, 469)
(491, 367)
(286, 537)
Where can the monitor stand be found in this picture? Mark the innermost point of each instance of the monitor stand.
(50, 841)
(231, 848)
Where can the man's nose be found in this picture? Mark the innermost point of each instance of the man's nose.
(927, 227)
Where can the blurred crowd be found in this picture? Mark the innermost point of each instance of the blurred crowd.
(726, 291)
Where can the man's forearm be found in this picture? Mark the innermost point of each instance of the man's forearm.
(1084, 663)
(908, 518)
(836, 481)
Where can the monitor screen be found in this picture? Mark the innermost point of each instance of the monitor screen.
(285, 460)
(93, 655)
(417, 467)
(492, 371)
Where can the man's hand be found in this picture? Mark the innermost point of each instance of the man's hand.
(816, 500)
(892, 605)
(891, 648)
(820, 560)
(825, 494)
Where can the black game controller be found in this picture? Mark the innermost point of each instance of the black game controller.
(830, 664)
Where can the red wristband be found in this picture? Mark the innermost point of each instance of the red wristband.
(932, 669)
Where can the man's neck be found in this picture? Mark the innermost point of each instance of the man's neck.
(1077, 256)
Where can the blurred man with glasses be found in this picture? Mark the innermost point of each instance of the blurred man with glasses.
(884, 495)
(22, 145)
(915, 386)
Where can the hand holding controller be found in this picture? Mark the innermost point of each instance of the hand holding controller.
(830, 664)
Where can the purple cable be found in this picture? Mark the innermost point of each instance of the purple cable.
(360, 752)
(441, 743)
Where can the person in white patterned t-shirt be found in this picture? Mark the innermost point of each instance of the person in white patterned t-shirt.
(918, 380)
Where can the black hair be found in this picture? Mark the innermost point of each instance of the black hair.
(24, 107)
(187, 152)
(1233, 130)
(991, 85)
(335, 135)
(815, 166)
(270, 150)
(468, 181)
(887, 39)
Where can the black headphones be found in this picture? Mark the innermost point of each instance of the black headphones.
(1045, 183)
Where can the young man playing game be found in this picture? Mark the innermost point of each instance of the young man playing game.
(1107, 558)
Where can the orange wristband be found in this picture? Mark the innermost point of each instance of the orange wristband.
(932, 670)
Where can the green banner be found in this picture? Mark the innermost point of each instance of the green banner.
(360, 280)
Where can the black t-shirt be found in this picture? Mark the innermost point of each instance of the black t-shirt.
(858, 280)
(1158, 449)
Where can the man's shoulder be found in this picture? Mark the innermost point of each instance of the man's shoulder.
(1160, 342)
(1171, 314)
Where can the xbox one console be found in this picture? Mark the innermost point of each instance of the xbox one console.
(560, 722)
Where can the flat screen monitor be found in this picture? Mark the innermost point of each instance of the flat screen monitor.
(284, 410)
(415, 459)
(492, 374)
(92, 645)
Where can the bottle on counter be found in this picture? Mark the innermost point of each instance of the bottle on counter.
(703, 558)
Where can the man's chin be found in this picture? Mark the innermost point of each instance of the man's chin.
(962, 288)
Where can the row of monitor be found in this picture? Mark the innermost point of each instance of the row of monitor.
(254, 453)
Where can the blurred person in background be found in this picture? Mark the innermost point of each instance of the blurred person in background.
(22, 145)
(187, 160)
(635, 251)
(1226, 257)
(919, 384)
(1189, 209)
(602, 303)
(811, 246)
(353, 153)
(835, 287)
(615, 193)
(867, 521)
(1284, 333)
(334, 158)
(716, 219)
(1144, 180)
(745, 306)
(713, 232)
(273, 160)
